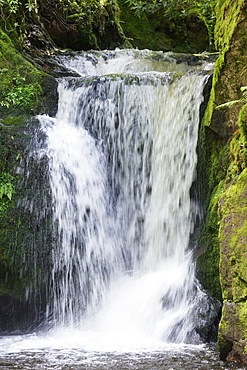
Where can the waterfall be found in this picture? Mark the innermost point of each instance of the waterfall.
(122, 159)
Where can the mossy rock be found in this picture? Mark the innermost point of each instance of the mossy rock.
(208, 262)
(229, 75)
(225, 230)
(232, 341)
(213, 162)
(233, 239)
(233, 263)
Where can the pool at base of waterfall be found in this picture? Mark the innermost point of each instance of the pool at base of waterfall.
(68, 350)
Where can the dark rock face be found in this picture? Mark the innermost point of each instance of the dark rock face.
(207, 319)
(25, 234)
(15, 316)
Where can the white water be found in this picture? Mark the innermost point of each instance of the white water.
(122, 160)
(122, 157)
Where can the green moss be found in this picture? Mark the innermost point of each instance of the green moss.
(227, 14)
(233, 240)
(226, 160)
(13, 120)
(6, 191)
(24, 91)
(208, 262)
(229, 68)
(214, 160)
(233, 323)
(20, 81)
(207, 119)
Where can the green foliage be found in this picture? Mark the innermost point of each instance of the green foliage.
(76, 24)
(14, 14)
(6, 186)
(20, 82)
(6, 191)
(21, 95)
(179, 9)
(13, 6)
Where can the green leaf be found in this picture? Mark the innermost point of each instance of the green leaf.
(230, 103)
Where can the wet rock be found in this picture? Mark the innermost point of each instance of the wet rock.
(238, 352)
(13, 315)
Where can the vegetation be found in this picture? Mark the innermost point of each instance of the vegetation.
(84, 24)
(241, 100)
(6, 191)
(78, 24)
(178, 10)
(20, 81)
(20, 94)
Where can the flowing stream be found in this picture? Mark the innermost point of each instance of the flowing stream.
(122, 159)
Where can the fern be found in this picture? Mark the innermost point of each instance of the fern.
(232, 102)
(6, 186)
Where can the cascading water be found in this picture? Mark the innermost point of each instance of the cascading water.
(122, 158)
